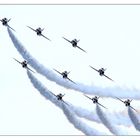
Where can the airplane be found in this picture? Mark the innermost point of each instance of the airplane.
(38, 32)
(95, 100)
(101, 72)
(5, 22)
(59, 97)
(127, 103)
(24, 64)
(74, 43)
(65, 75)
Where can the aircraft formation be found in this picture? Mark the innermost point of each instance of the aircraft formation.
(65, 76)
(65, 73)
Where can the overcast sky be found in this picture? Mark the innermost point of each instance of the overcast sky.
(109, 34)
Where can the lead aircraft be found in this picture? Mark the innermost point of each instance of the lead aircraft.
(5, 22)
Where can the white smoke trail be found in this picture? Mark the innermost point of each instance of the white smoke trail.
(116, 117)
(108, 92)
(77, 123)
(69, 114)
(84, 113)
(134, 118)
(108, 123)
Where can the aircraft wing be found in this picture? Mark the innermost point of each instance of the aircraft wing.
(120, 100)
(94, 69)
(71, 80)
(10, 27)
(52, 93)
(133, 109)
(42, 29)
(63, 95)
(17, 61)
(9, 20)
(67, 40)
(31, 28)
(101, 105)
(30, 69)
(57, 71)
(69, 72)
(131, 100)
(108, 77)
(81, 49)
(64, 102)
(88, 97)
(45, 37)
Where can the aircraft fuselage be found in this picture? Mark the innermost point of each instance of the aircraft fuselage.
(95, 100)
(101, 72)
(4, 21)
(64, 74)
(127, 103)
(38, 31)
(59, 96)
(74, 43)
(24, 64)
